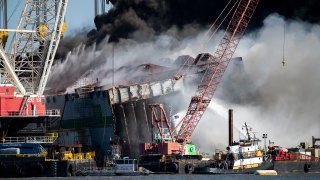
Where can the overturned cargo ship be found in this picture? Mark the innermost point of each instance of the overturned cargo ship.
(100, 118)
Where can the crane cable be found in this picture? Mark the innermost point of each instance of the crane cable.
(14, 10)
(284, 35)
(284, 43)
(206, 41)
(213, 33)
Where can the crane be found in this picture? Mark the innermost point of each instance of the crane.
(215, 70)
(210, 81)
(27, 62)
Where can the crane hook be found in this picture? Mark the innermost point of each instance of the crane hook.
(284, 62)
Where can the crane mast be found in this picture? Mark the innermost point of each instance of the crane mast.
(215, 70)
(25, 63)
(28, 60)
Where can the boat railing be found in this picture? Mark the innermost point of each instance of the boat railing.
(125, 161)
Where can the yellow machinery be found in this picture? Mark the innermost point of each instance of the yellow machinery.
(64, 28)
(68, 155)
(43, 30)
(4, 37)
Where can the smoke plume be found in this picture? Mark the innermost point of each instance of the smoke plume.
(143, 20)
(152, 17)
(282, 101)
(108, 62)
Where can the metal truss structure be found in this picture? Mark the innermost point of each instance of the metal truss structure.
(27, 62)
(3, 14)
(159, 117)
(214, 72)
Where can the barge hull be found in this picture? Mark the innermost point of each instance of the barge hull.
(39, 167)
(284, 167)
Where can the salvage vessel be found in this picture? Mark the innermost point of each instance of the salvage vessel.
(27, 146)
(243, 157)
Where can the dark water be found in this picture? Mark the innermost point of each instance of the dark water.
(189, 177)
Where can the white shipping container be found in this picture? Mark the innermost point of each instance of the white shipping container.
(114, 96)
(144, 91)
(156, 89)
(124, 94)
(134, 92)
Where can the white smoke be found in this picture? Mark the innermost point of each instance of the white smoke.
(126, 55)
(285, 100)
(286, 104)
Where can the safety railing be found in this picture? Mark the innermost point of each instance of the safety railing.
(305, 157)
(13, 140)
(52, 113)
(40, 139)
(29, 139)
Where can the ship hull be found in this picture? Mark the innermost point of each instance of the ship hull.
(39, 167)
(85, 120)
(99, 118)
(283, 167)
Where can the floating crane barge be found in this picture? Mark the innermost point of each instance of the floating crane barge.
(27, 140)
(26, 144)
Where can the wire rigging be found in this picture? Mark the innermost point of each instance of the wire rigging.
(203, 41)
(284, 44)
(284, 36)
(14, 10)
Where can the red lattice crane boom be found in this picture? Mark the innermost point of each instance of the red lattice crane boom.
(215, 70)
(159, 117)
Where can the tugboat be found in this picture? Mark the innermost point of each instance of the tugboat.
(243, 157)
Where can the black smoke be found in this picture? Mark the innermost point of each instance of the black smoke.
(151, 17)
(143, 20)
(285, 101)
(68, 43)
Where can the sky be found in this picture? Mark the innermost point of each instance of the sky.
(80, 13)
